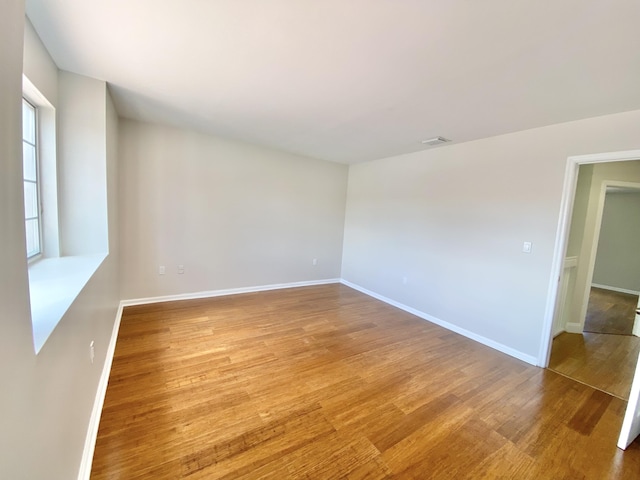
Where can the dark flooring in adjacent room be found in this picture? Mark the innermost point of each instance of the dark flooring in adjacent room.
(610, 312)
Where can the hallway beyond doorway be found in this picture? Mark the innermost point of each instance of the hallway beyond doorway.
(610, 312)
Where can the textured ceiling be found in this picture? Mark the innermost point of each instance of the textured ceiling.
(351, 80)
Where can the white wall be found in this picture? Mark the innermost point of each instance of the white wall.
(618, 254)
(111, 127)
(38, 65)
(579, 212)
(46, 399)
(233, 214)
(81, 165)
(452, 220)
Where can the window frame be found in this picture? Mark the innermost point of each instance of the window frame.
(36, 146)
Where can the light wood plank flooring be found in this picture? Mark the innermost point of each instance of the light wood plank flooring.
(327, 383)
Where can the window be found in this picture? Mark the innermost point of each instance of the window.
(59, 275)
(31, 180)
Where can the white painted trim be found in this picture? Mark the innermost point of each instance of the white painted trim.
(615, 289)
(572, 327)
(561, 312)
(631, 422)
(228, 291)
(562, 237)
(570, 262)
(94, 422)
(559, 255)
(606, 157)
(449, 326)
(636, 326)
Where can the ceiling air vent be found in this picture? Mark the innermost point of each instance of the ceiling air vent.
(435, 141)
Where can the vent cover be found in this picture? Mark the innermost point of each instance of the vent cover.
(435, 141)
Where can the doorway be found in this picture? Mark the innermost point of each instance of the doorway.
(599, 349)
(574, 263)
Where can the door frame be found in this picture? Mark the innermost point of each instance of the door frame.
(562, 237)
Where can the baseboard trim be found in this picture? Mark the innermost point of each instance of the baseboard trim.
(571, 327)
(94, 422)
(615, 289)
(98, 403)
(224, 292)
(449, 326)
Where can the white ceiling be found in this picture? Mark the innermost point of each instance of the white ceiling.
(352, 80)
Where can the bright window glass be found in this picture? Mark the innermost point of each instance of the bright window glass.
(30, 176)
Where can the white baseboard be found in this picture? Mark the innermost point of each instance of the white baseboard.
(228, 291)
(615, 289)
(94, 422)
(636, 327)
(98, 403)
(449, 326)
(571, 327)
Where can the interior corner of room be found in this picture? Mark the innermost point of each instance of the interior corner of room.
(503, 238)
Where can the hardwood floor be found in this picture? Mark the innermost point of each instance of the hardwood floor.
(606, 362)
(610, 312)
(327, 383)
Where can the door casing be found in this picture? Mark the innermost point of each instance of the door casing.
(562, 237)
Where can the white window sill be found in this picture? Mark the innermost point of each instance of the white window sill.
(54, 284)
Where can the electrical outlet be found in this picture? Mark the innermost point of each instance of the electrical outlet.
(314, 262)
(180, 269)
(161, 270)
